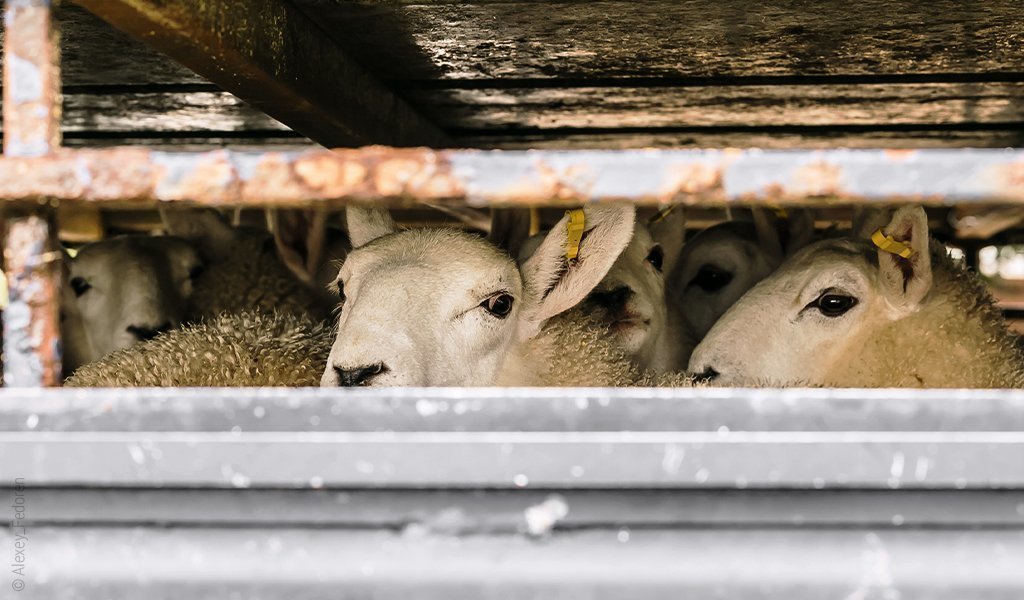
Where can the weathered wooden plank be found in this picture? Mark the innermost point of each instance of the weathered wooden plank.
(93, 52)
(792, 138)
(270, 54)
(196, 111)
(481, 40)
(918, 103)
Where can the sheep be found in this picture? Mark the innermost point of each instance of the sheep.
(631, 299)
(119, 291)
(532, 345)
(719, 264)
(243, 270)
(866, 311)
(436, 307)
(248, 348)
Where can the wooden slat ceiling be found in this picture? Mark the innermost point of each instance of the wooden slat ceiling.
(615, 74)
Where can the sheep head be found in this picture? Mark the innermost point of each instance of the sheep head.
(446, 307)
(817, 314)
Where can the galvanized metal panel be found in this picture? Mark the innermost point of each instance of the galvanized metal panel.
(697, 438)
(155, 563)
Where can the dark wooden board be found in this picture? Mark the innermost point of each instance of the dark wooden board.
(420, 40)
(768, 105)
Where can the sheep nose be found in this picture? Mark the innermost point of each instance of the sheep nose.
(614, 299)
(359, 375)
(148, 333)
(706, 375)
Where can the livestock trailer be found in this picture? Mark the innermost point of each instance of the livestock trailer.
(505, 492)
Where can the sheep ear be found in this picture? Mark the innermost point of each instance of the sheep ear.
(554, 283)
(668, 228)
(766, 227)
(510, 228)
(300, 238)
(906, 280)
(368, 224)
(801, 229)
(209, 230)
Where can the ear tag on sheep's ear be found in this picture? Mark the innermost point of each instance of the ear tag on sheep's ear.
(5, 295)
(779, 212)
(888, 244)
(662, 214)
(574, 232)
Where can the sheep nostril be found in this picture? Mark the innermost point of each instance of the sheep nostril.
(359, 376)
(147, 333)
(614, 299)
(708, 374)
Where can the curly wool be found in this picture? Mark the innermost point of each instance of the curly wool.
(577, 349)
(253, 277)
(247, 349)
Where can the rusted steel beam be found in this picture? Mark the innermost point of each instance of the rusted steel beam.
(271, 55)
(126, 176)
(32, 354)
(32, 101)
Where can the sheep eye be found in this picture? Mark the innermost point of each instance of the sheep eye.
(196, 271)
(832, 304)
(79, 285)
(711, 279)
(656, 257)
(341, 290)
(499, 305)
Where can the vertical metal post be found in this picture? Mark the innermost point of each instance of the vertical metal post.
(31, 114)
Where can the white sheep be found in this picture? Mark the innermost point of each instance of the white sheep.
(243, 268)
(402, 299)
(866, 311)
(630, 301)
(248, 348)
(443, 307)
(119, 291)
(719, 264)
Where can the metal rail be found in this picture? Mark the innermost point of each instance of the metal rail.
(129, 176)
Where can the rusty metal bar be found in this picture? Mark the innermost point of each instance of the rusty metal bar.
(123, 176)
(32, 318)
(272, 56)
(32, 101)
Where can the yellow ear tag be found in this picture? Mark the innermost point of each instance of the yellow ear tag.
(662, 214)
(779, 211)
(888, 244)
(5, 295)
(574, 232)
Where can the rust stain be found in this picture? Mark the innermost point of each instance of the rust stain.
(700, 180)
(32, 318)
(327, 175)
(819, 178)
(900, 155)
(273, 180)
(32, 100)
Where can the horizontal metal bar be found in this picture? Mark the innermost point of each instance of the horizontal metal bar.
(509, 460)
(716, 411)
(489, 511)
(156, 563)
(514, 438)
(396, 176)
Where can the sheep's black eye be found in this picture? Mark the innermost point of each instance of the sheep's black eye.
(499, 305)
(711, 278)
(79, 285)
(341, 290)
(832, 304)
(656, 257)
(196, 271)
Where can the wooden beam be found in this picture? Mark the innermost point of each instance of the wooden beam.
(271, 55)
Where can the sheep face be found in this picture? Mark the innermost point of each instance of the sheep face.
(631, 297)
(123, 290)
(424, 307)
(443, 307)
(815, 313)
(714, 269)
